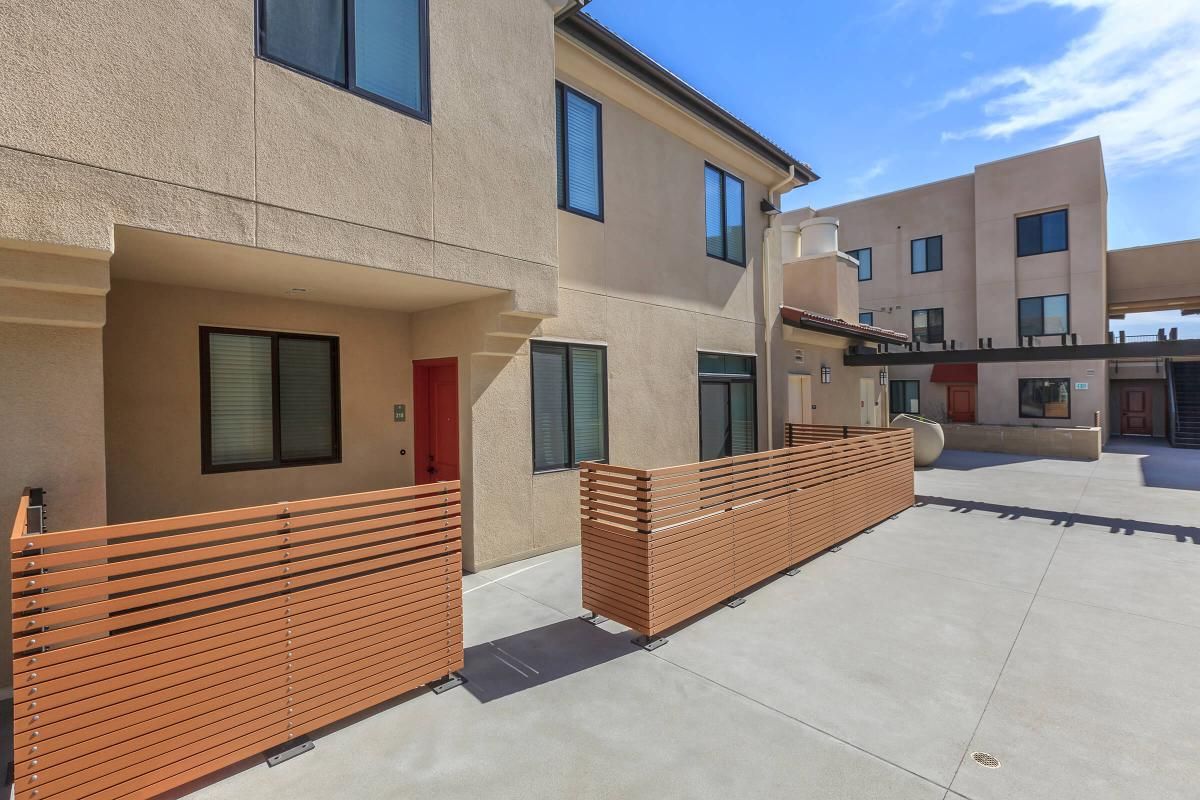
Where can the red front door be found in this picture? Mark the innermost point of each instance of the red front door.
(960, 402)
(435, 420)
(1135, 411)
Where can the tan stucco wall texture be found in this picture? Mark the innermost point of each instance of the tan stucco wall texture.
(152, 400)
(109, 122)
(982, 278)
(53, 431)
(641, 283)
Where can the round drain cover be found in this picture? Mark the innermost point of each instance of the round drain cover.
(986, 759)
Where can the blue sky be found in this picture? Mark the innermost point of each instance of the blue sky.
(883, 94)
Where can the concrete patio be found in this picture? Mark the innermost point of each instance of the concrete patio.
(1046, 612)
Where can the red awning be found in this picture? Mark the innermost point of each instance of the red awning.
(955, 373)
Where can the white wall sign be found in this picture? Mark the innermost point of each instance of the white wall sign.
(1081, 386)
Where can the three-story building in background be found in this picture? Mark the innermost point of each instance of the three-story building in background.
(1015, 249)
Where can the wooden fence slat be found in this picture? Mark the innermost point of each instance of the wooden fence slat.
(662, 545)
(150, 653)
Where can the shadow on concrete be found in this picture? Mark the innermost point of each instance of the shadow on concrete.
(967, 460)
(1162, 466)
(504, 667)
(1067, 519)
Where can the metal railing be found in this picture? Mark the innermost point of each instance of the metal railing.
(1172, 406)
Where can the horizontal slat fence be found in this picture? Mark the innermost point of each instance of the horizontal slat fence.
(662, 545)
(149, 654)
(796, 435)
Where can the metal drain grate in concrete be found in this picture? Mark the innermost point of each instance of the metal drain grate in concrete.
(986, 759)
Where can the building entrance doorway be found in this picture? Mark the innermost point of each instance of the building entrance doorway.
(960, 402)
(1135, 411)
(435, 420)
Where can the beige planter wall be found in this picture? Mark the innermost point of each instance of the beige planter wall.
(1084, 443)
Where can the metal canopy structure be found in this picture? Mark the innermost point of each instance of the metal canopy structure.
(1163, 348)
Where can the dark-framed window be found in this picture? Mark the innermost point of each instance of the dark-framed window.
(866, 318)
(377, 49)
(728, 405)
(928, 325)
(1042, 233)
(580, 144)
(268, 400)
(724, 216)
(1044, 316)
(569, 384)
(1045, 398)
(863, 254)
(904, 397)
(927, 254)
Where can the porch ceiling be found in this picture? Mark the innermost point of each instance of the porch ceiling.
(156, 257)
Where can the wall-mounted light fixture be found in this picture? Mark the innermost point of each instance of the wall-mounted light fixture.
(768, 208)
(826, 374)
(883, 377)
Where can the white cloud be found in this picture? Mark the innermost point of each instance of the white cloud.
(861, 182)
(1134, 79)
(932, 13)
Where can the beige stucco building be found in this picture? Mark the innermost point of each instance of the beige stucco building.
(1015, 254)
(276, 277)
(972, 289)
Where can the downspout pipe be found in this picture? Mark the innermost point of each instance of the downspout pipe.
(768, 254)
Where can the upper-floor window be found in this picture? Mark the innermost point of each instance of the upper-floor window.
(1043, 316)
(724, 216)
(1042, 233)
(267, 399)
(570, 398)
(927, 254)
(866, 318)
(580, 158)
(378, 49)
(864, 262)
(927, 325)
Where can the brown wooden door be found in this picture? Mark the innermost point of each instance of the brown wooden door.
(1135, 411)
(960, 402)
(435, 420)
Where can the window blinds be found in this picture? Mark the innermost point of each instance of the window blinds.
(713, 231)
(587, 399)
(240, 399)
(583, 153)
(387, 49)
(550, 408)
(305, 399)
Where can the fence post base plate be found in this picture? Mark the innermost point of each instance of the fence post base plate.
(791, 573)
(593, 619)
(281, 753)
(447, 683)
(733, 602)
(649, 643)
(835, 548)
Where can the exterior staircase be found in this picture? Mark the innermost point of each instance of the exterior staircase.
(1185, 385)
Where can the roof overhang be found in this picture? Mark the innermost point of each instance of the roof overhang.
(811, 321)
(604, 42)
(1164, 348)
